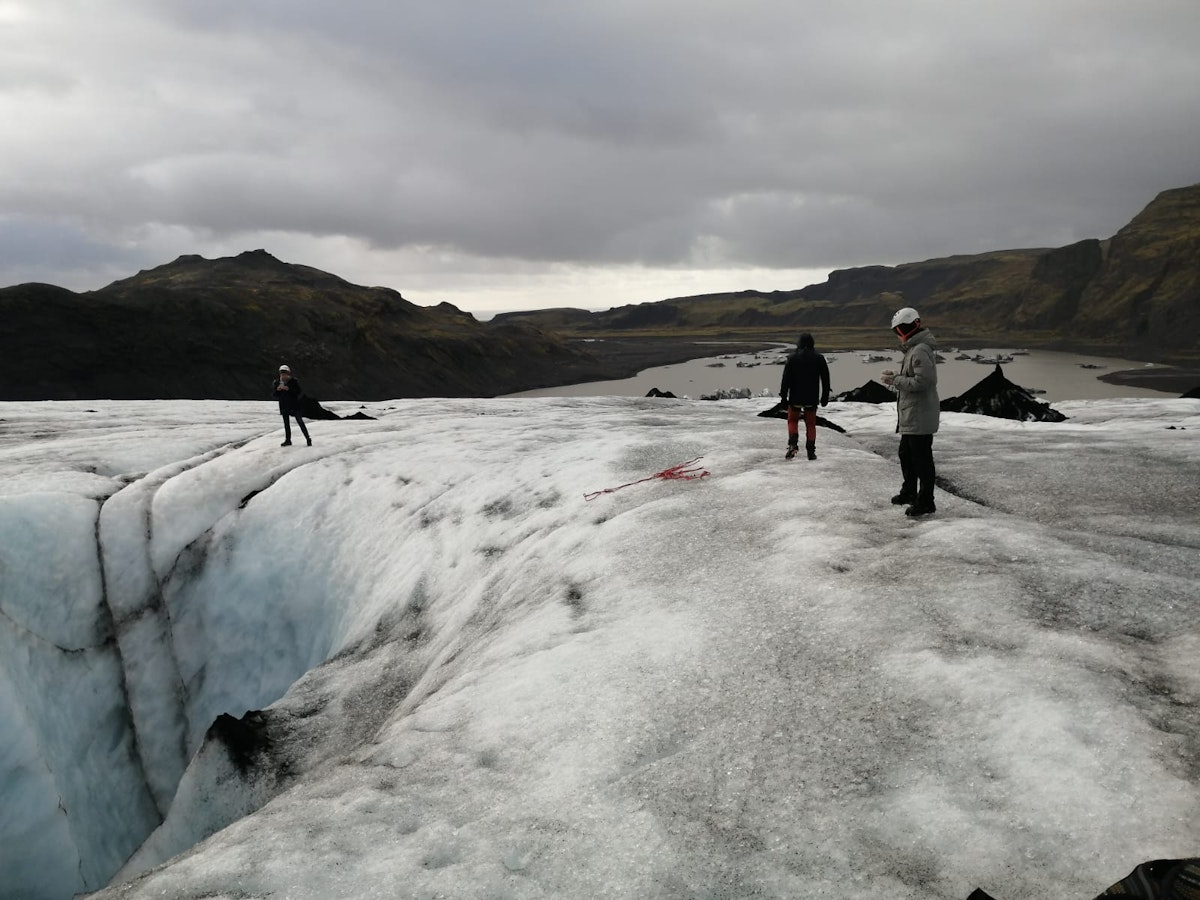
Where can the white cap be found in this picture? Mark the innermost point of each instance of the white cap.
(284, 369)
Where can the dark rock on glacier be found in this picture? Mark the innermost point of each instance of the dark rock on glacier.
(996, 396)
(311, 408)
(245, 739)
(871, 392)
(779, 411)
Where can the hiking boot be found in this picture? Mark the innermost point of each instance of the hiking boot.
(286, 444)
(792, 451)
(921, 508)
(811, 449)
(903, 499)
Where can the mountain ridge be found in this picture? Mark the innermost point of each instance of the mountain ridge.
(1135, 292)
(199, 328)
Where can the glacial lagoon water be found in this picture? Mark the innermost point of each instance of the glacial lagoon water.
(1054, 376)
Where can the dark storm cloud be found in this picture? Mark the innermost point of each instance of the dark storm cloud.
(667, 133)
(41, 246)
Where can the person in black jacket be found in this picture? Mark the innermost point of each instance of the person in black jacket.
(288, 392)
(805, 384)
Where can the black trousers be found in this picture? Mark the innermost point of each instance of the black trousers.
(916, 465)
(287, 426)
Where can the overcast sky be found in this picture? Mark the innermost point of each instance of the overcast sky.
(587, 153)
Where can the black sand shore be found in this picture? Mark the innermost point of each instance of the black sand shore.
(1164, 378)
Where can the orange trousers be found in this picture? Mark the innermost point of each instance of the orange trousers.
(810, 424)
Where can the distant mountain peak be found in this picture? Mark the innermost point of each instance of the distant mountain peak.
(197, 327)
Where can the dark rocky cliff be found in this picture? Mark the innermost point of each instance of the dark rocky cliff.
(1149, 283)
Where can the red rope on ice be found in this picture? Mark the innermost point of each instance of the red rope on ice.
(684, 471)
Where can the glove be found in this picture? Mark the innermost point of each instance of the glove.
(824, 399)
(886, 377)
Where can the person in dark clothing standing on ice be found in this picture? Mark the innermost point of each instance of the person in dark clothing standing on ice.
(805, 384)
(288, 392)
(917, 411)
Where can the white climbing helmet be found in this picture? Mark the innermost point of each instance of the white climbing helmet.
(906, 316)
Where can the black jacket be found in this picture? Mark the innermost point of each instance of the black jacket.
(805, 379)
(289, 400)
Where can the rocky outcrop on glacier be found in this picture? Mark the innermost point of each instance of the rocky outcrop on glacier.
(996, 396)
(870, 392)
(779, 411)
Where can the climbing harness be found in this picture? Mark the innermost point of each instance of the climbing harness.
(684, 471)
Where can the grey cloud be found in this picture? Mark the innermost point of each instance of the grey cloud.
(764, 133)
(62, 254)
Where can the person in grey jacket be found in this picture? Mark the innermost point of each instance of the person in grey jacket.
(917, 411)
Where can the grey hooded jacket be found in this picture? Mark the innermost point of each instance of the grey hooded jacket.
(917, 406)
